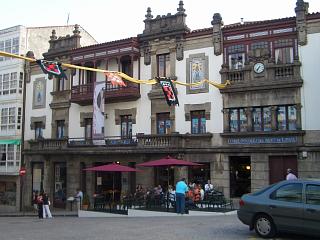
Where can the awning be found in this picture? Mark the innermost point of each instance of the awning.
(11, 141)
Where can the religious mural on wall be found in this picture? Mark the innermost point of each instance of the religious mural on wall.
(39, 93)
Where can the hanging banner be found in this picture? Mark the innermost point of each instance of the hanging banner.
(98, 114)
(169, 91)
(51, 68)
(115, 79)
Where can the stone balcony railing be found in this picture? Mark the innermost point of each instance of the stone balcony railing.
(273, 74)
(140, 141)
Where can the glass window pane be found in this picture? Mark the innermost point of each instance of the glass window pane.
(163, 123)
(289, 193)
(236, 61)
(313, 194)
(233, 123)
(281, 118)
(267, 119)
(195, 124)
(292, 116)
(161, 66)
(243, 120)
(256, 119)
(88, 128)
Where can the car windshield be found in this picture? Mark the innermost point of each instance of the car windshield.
(262, 190)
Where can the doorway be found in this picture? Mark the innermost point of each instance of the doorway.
(240, 175)
(278, 166)
(108, 184)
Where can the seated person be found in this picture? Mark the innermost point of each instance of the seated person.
(208, 187)
(172, 194)
(158, 190)
(196, 194)
(201, 192)
(189, 199)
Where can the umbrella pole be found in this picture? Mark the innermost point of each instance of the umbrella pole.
(112, 188)
(168, 189)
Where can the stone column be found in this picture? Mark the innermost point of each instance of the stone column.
(226, 127)
(274, 118)
(299, 123)
(248, 112)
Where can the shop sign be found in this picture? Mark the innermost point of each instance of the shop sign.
(262, 140)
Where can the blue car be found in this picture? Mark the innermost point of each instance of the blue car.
(287, 206)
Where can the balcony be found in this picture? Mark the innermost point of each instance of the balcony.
(83, 94)
(275, 76)
(140, 142)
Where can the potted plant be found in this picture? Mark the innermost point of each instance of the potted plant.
(85, 202)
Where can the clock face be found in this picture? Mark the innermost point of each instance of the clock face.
(258, 67)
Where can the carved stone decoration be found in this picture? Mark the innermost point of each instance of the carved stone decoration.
(217, 33)
(148, 15)
(301, 21)
(179, 50)
(76, 31)
(147, 55)
(180, 9)
(259, 54)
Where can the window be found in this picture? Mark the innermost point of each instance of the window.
(2, 50)
(313, 194)
(88, 128)
(163, 123)
(38, 130)
(283, 51)
(8, 193)
(60, 129)
(259, 45)
(236, 56)
(286, 118)
(15, 46)
(238, 120)
(13, 82)
(163, 61)
(5, 84)
(198, 122)
(10, 155)
(126, 126)
(9, 83)
(261, 119)
(8, 119)
(289, 193)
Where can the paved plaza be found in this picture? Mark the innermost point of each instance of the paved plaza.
(153, 228)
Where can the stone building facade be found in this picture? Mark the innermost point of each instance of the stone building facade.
(241, 134)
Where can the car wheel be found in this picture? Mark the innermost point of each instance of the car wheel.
(264, 226)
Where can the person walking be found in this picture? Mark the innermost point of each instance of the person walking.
(40, 205)
(46, 209)
(181, 189)
(290, 175)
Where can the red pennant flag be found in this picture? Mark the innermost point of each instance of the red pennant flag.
(115, 79)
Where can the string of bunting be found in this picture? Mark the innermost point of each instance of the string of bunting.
(54, 68)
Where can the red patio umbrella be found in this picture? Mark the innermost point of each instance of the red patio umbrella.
(113, 167)
(168, 161)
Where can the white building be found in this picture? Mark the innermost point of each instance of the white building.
(18, 40)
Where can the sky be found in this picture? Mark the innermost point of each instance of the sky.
(108, 20)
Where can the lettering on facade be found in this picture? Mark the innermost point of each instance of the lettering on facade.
(265, 140)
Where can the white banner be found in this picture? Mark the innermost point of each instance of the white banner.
(98, 114)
